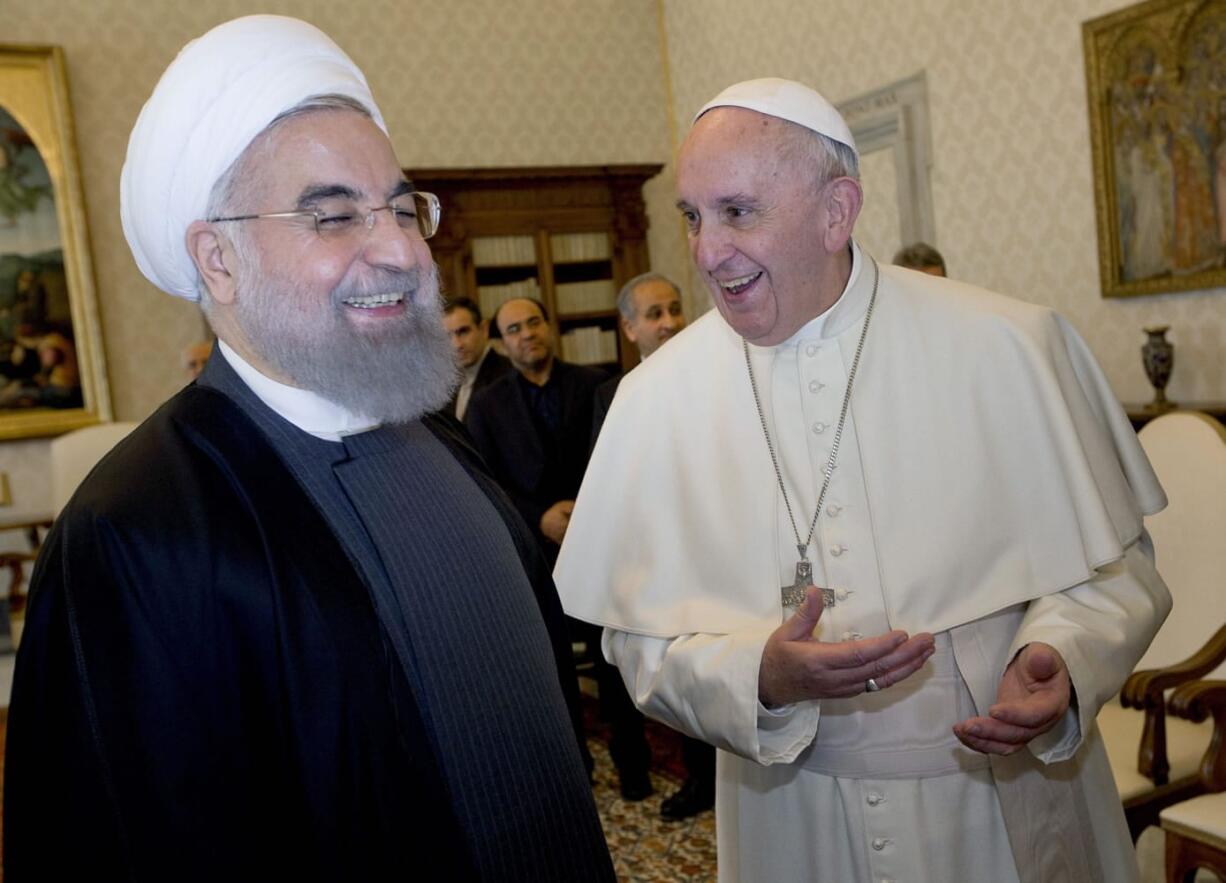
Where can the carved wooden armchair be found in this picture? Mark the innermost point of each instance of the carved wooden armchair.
(1196, 828)
(1154, 757)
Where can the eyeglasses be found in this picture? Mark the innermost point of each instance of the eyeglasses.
(337, 219)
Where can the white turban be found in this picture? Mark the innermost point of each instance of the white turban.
(789, 101)
(218, 94)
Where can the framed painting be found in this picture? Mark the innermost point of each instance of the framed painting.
(1156, 82)
(52, 372)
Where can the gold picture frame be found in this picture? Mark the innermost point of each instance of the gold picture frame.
(52, 370)
(1156, 84)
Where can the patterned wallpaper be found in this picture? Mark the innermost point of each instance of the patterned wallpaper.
(877, 227)
(462, 83)
(546, 82)
(1012, 178)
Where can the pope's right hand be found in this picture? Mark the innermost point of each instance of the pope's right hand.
(796, 666)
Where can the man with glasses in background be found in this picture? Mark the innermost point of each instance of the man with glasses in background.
(251, 649)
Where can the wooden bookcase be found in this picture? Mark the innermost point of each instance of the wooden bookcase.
(570, 236)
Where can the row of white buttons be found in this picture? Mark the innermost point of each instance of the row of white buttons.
(878, 843)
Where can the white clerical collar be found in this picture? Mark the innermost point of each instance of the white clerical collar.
(308, 411)
(814, 328)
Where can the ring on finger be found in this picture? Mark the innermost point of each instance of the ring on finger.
(871, 686)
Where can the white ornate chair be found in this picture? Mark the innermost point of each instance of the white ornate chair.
(1196, 828)
(72, 456)
(1154, 757)
(75, 453)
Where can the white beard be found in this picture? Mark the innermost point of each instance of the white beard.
(405, 370)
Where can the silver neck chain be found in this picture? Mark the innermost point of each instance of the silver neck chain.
(802, 547)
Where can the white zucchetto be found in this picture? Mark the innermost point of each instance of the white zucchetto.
(787, 100)
(219, 93)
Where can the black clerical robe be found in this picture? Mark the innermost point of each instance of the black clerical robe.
(205, 691)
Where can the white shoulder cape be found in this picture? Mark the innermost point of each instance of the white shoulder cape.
(998, 463)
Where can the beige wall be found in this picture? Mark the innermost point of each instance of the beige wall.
(489, 82)
(1012, 180)
(460, 83)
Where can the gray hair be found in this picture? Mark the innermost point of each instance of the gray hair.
(919, 255)
(234, 191)
(625, 297)
(829, 159)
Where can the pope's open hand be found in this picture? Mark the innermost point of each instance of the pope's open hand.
(1032, 697)
(796, 666)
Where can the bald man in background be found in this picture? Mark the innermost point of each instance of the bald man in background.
(248, 653)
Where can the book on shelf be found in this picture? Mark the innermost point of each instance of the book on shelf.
(570, 248)
(589, 346)
(504, 251)
(586, 297)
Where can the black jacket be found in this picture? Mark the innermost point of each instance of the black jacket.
(535, 473)
(204, 690)
(492, 367)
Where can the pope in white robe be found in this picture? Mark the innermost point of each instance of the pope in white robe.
(988, 581)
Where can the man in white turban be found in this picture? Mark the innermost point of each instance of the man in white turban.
(250, 650)
(893, 559)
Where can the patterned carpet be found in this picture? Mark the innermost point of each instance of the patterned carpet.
(645, 848)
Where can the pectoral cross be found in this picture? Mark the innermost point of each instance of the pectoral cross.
(794, 595)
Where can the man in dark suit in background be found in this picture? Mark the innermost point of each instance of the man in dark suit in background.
(479, 363)
(651, 313)
(533, 427)
(533, 424)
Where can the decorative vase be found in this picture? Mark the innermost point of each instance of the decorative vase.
(1158, 356)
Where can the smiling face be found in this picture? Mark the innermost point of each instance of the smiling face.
(768, 241)
(318, 161)
(354, 318)
(657, 315)
(525, 334)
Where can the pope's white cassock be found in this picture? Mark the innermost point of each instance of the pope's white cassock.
(988, 489)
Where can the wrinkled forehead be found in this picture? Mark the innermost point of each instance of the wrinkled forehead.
(653, 291)
(331, 152)
(517, 311)
(731, 147)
